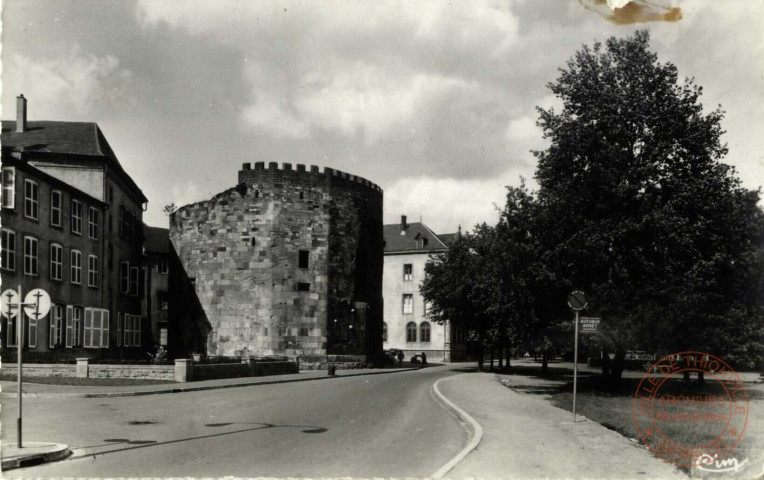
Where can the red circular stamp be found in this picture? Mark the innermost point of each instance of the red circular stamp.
(689, 423)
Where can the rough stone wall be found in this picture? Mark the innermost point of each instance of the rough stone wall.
(240, 252)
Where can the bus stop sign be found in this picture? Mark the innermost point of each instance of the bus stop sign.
(577, 300)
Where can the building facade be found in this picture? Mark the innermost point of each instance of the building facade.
(72, 226)
(408, 246)
(288, 262)
(156, 298)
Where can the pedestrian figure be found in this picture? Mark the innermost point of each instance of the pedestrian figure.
(424, 359)
(400, 357)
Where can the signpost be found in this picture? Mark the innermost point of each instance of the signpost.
(577, 302)
(590, 325)
(36, 305)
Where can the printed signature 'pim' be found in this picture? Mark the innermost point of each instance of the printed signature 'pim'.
(708, 463)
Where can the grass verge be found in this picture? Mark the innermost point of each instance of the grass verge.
(614, 407)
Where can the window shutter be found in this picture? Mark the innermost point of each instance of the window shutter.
(105, 331)
(128, 326)
(137, 331)
(69, 329)
(119, 329)
(88, 341)
(32, 332)
(52, 325)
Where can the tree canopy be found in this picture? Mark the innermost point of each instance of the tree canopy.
(635, 207)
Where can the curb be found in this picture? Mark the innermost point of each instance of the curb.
(60, 452)
(198, 389)
(466, 418)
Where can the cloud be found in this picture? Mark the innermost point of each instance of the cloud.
(435, 200)
(359, 70)
(72, 86)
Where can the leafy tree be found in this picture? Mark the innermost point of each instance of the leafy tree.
(645, 217)
(458, 287)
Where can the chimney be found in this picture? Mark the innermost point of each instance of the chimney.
(21, 114)
(404, 225)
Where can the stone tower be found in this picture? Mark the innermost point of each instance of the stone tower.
(288, 262)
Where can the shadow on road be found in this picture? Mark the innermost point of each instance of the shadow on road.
(136, 444)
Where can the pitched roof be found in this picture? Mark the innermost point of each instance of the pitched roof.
(156, 239)
(447, 238)
(397, 242)
(77, 138)
(64, 138)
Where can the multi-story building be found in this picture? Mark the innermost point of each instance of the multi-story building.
(72, 226)
(408, 246)
(156, 301)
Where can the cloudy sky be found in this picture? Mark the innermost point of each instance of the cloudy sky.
(432, 100)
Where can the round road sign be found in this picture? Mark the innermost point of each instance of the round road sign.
(8, 298)
(37, 303)
(577, 300)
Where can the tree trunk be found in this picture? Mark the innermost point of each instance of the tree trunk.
(686, 376)
(501, 358)
(509, 354)
(493, 349)
(605, 365)
(701, 378)
(616, 367)
(480, 355)
(544, 363)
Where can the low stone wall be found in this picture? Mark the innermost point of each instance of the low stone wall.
(42, 370)
(220, 370)
(182, 371)
(144, 372)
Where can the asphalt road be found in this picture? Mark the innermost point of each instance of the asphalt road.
(368, 426)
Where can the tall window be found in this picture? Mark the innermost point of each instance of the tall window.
(77, 326)
(163, 337)
(119, 329)
(124, 277)
(132, 333)
(162, 302)
(92, 223)
(76, 217)
(424, 332)
(7, 249)
(121, 221)
(73, 326)
(384, 331)
(304, 259)
(164, 265)
(411, 332)
(75, 260)
(56, 261)
(134, 281)
(30, 256)
(55, 208)
(31, 199)
(92, 271)
(408, 303)
(96, 331)
(12, 333)
(9, 187)
(56, 326)
(32, 332)
(408, 272)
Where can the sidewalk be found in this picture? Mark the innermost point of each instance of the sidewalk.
(525, 437)
(9, 388)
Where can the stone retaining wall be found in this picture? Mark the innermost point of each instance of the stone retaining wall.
(144, 372)
(182, 371)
